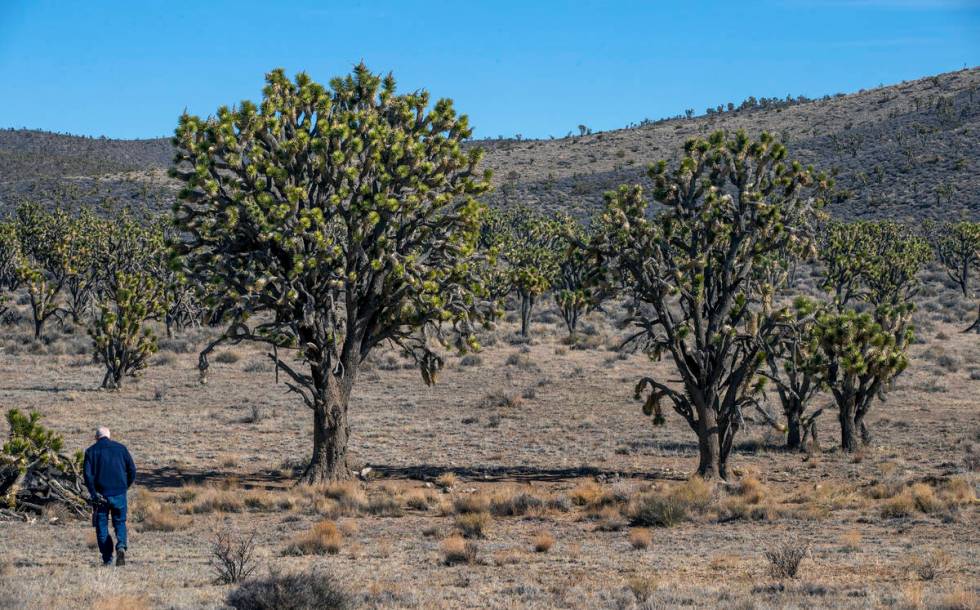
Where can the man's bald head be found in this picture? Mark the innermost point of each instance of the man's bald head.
(101, 432)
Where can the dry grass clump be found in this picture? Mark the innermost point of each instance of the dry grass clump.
(322, 539)
(922, 498)
(419, 499)
(643, 587)
(473, 525)
(959, 599)
(513, 503)
(591, 495)
(471, 503)
(785, 559)
(931, 565)
(385, 504)
(334, 499)
(665, 509)
(751, 490)
(851, 541)
(121, 602)
(151, 515)
(542, 542)
(640, 538)
(309, 590)
(213, 500)
(607, 518)
(446, 480)
(507, 400)
(455, 549)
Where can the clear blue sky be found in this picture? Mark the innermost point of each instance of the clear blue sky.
(127, 68)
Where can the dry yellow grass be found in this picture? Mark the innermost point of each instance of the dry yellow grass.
(640, 538)
(590, 494)
(455, 549)
(471, 503)
(643, 587)
(473, 525)
(322, 538)
(851, 541)
(542, 542)
(121, 602)
(446, 480)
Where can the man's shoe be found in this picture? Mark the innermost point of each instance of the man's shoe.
(120, 557)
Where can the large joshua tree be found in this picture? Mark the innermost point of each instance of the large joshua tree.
(693, 272)
(345, 217)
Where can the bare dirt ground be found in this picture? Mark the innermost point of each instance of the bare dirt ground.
(896, 526)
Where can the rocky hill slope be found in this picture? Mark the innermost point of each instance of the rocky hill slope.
(906, 151)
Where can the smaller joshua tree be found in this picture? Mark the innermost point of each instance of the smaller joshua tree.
(794, 362)
(530, 244)
(875, 262)
(579, 286)
(861, 353)
(122, 340)
(130, 296)
(957, 246)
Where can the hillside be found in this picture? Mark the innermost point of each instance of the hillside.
(905, 151)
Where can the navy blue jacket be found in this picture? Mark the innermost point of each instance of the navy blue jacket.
(109, 469)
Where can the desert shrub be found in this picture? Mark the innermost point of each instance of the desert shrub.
(446, 480)
(153, 516)
(654, 509)
(751, 490)
(227, 357)
(640, 538)
(471, 360)
(323, 538)
(785, 559)
(500, 399)
(120, 602)
(473, 525)
(511, 504)
(643, 587)
(455, 550)
(232, 555)
(311, 590)
(590, 495)
(931, 565)
(384, 505)
(418, 499)
(471, 503)
(349, 495)
(542, 542)
(608, 518)
(522, 362)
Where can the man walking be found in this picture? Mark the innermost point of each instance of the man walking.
(109, 472)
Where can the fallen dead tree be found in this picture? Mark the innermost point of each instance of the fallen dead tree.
(34, 473)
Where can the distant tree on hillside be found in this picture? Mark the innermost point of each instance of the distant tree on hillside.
(344, 217)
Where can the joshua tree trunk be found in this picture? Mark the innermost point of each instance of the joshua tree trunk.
(331, 431)
(793, 428)
(527, 304)
(849, 428)
(713, 456)
(976, 323)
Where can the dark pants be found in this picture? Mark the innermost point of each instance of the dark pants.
(115, 506)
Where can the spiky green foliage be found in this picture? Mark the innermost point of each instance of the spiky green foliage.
(45, 262)
(877, 262)
(346, 216)
(693, 272)
(121, 338)
(129, 297)
(579, 286)
(32, 456)
(87, 234)
(957, 246)
(862, 353)
(530, 245)
(794, 361)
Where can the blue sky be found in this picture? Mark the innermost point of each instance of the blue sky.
(127, 68)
